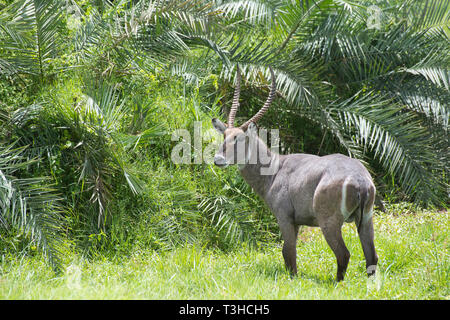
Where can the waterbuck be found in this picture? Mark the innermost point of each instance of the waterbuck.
(302, 189)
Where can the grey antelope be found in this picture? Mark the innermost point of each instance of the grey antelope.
(303, 189)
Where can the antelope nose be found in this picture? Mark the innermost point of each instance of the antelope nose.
(219, 160)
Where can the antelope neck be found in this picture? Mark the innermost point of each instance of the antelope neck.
(253, 173)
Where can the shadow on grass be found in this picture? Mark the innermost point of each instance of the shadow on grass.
(328, 280)
(276, 270)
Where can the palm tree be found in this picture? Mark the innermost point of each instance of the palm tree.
(391, 90)
(375, 78)
(382, 92)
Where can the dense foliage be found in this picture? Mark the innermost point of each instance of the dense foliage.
(91, 91)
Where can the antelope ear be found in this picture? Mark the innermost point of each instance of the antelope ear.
(252, 130)
(218, 125)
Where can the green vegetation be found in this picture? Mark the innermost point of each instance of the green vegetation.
(414, 264)
(91, 92)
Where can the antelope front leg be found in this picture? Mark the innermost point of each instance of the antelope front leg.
(289, 233)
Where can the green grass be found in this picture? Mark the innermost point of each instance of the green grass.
(413, 264)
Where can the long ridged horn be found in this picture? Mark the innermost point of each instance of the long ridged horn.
(235, 103)
(266, 105)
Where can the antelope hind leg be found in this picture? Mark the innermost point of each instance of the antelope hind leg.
(331, 229)
(366, 238)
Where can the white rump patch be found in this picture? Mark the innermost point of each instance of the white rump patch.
(344, 211)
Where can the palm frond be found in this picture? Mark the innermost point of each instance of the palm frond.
(232, 223)
(423, 97)
(103, 106)
(30, 205)
(433, 15)
(397, 140)
(253, 11)
(32, 35)
(438, 76)
(90, 35)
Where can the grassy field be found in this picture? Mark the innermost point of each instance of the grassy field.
(413, 264)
